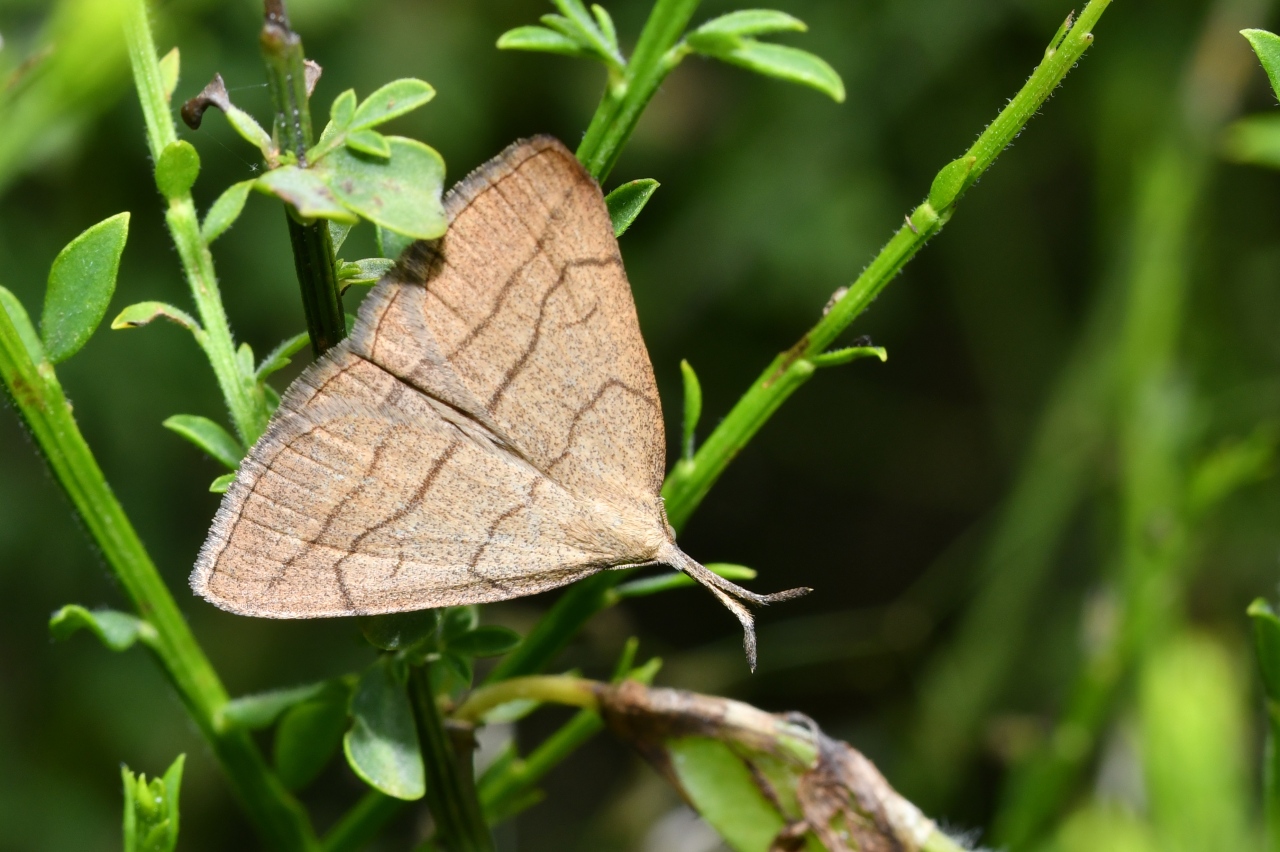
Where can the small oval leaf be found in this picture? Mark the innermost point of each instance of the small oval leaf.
(752, 22)
(692, 408)
(490, 641)
(117, 630)
(208, 436)
(391, 101)
(382, 745)
(143, 313)
(177, 168)
(262, 709)
(22, 324)
(307, 738)
(308, 192)
(626, 202)
(779, 61)
(222, 483)
(250, 131)
(369, 142)
(401, 194)
(81, 283)
(224, 212)
(542, 40)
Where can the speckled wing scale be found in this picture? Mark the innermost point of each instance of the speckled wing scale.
(490, 429)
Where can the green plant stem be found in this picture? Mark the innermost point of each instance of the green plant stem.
(451, 794)
(499, 790)
(39, 398)
(624, 101)
(285, 61)
(690, 481)
(556, 689)
(243, 395)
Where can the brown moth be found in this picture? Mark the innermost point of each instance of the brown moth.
(490, 429)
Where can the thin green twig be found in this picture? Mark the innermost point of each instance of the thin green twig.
(38, 397)
(242, 393)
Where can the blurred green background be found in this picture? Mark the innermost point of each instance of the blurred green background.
(1052, 503)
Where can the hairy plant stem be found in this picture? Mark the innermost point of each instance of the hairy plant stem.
(242, 393)
(312, 246)
(691, 480)
(624, 100)
(39, 398)
(451, 793)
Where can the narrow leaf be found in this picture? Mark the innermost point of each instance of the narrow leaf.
(692, 408)
(280, 357)
(392, 100)
(626, 202)
(224, 212)
(308, 736)
(22, 323)
(117, 630)
(401, 194)
(177, 168)
(169, 64)
(542, 40)
(251, 131)
(262, 709)
(215, 441)
(369, 142)
(849, 355)
(676, 580)
(308, 192)
(136, 316)
(605, 22)
(780, 61)
(489, 641)
(340, 115)
(382, 745)
(222, 483)
(81, 283)
(1267, 46)
(751, 22)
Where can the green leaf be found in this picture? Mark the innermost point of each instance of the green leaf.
(391, 244)
(848, 355)
(399, 631)
(262, 709)
(626, 202)
(725, 793)
(151, 809)
(401, 194)
(382, 745)
(369, 142)
(391, 101)
(1266, 635)
(777, 60)
(307, 190)
(250, 130)
(215, 441)
(142, 313)
(370, 270)
(692, 408)
(222, 483)
(950, 181)
(1267, 46)
(117, 630)
(307, 738)
(542, 40)
(340, 115)
(489, 641)
(750, 22)
(177, 168)
(169, 64)
(22, 323)
(280, 357)
(81, 283)
(677, 580)
(224, 212)
(459, 620)
(605, 22)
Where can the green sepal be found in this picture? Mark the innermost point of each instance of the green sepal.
(692, 408)
(210, 437)
(225, 210)
(82, 281)
(144, 313)
(1267, 46)
(151, 809)
(382, 744)
(118, 631)
(488, 641)
(626, 202)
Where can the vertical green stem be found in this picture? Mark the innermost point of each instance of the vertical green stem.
(451, 791)
(243, 395)
(623, 104)
(1271, 777)
(312, 246)
(38, 397)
